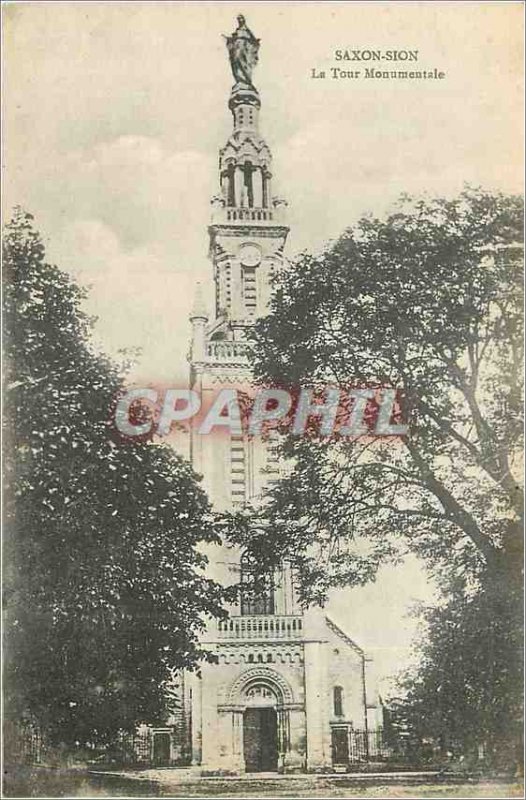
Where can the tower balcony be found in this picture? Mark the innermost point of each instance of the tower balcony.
(224, 351)
(264, 217)
(261, 628)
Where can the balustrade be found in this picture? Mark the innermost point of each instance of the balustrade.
(261, 627)
(223, 214)
(227, 351)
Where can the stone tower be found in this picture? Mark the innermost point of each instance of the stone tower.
(288, 686)
(247, 234)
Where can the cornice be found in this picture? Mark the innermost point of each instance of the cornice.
(244, 229)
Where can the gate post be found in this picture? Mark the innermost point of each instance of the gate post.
(197, 720)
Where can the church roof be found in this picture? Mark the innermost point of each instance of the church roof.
(339, 632)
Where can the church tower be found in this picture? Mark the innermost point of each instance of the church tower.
(248, 230)
(288, 686)
(247, 236)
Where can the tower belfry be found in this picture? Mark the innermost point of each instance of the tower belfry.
(248, 229)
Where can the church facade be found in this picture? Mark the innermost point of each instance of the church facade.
(289, 689)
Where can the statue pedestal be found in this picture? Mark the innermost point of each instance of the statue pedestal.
(243, 94)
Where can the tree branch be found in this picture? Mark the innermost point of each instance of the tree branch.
(453, 510)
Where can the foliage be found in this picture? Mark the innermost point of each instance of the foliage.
(104, 582)
(426, 300)
(465, 691)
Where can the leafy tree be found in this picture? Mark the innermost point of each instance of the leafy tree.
(465, 691)
(105, 584)
(426, 300)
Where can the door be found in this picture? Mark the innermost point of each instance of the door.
(340, 746)
(161, 749)
(260, 739)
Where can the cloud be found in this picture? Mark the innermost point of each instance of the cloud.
(141, 301)
(141, 188)
(127, 217)
(139, 216)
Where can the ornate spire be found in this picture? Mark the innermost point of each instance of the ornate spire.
(198, 308)
(248, 227)
(245, 161)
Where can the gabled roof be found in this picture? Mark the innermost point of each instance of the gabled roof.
(342, 635)
(249, 145)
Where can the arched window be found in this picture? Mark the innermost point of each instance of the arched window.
(256, 602)
(266, 183)
(337, 699)
(248, 170)
(231, 190)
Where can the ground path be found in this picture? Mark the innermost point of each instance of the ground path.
(186, 784)
(182, 784)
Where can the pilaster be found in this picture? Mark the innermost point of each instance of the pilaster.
(197, 719)
(316, 692)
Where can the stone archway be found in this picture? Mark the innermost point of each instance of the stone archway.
(262, 698)
(264, 676)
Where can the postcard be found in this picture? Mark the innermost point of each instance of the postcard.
(262, 304)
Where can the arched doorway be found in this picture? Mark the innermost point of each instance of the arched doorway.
(260, 701)
(260, 728)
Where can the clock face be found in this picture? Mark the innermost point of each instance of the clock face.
(250, 255)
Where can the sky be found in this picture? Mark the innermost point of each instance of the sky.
(113, 117)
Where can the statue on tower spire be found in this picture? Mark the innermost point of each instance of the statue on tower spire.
(243, 49)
